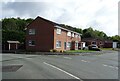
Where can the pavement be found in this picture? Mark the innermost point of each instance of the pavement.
(96, 66)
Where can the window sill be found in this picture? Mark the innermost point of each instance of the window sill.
(31, 45)
(58, 47)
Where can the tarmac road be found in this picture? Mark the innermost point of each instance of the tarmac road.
(104, 66)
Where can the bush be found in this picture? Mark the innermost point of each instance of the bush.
(61, 51)
(53, 50)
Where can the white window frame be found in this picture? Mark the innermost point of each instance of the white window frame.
(58, 44)
(73, 35)
(30, 43)
(58, 31)
(68, 33)
(68, 44)
(76, 44)
(76, 35)
(31, 31)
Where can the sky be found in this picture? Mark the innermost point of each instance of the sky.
(101, 15)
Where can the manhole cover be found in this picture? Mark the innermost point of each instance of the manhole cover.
(11, 68)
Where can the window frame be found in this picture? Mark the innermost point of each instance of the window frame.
(30, 43)
(58, 44)
(76, 44)
(69, 33)
(73, 35)
(68, 44)
(58, 31)
(32, 31)
(94, 42)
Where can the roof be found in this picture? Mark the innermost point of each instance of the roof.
(95, 39)
(13, 41)
(55, 24)
(83, 39)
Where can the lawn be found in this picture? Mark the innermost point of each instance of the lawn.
(77, 51)
(106, 48)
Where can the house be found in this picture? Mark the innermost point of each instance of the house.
(89, 41)
(99, 42)
(44, 35)
(108, 44)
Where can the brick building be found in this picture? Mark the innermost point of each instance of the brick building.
(44, 35)
(98, 42)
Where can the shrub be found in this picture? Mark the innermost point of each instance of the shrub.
(61, 51)
(54, 50)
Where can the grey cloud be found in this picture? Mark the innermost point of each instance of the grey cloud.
(22, 8)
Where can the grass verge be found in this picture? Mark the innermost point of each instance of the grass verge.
(79, 51)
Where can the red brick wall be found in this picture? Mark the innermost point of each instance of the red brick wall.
(44, 35)
(60, 37)
(64, 38)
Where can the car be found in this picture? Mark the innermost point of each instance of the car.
(93, 47)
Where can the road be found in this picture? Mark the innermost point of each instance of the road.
(104, 66)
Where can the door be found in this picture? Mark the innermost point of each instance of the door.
(64, 45)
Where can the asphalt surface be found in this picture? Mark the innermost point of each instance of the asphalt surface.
(103, 66)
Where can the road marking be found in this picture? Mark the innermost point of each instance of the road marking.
(84, 61)
(67, 57)
(62, 70)
(110, 66)
(116, 67)
(105, 65)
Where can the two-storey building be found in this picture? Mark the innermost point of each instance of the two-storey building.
(44, 35)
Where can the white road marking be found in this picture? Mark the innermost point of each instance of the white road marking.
(67, 57)
(105, 65)
(116, 67)
(110, 66)
(84, 61)
(62, 70)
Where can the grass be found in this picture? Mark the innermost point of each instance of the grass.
(106, 48)
(77, 51)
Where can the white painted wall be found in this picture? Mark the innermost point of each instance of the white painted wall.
(114, 44)
(82, 45)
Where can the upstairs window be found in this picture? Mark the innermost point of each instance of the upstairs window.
(31, 43)
(58, 31)
(68, 33)
(72, 34)
(76, 35)
(58, 44)
(31, 31)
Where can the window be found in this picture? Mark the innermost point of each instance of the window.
(76, 35)
(93, 42)
(31, 31)
(79, 36)
(58, 44)
(100, 42)
(69, 44)
(76, 44)
(31, 43)
(72, 34)
(69, 34)
(58, 31)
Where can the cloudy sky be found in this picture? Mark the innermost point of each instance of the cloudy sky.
(100, 14)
